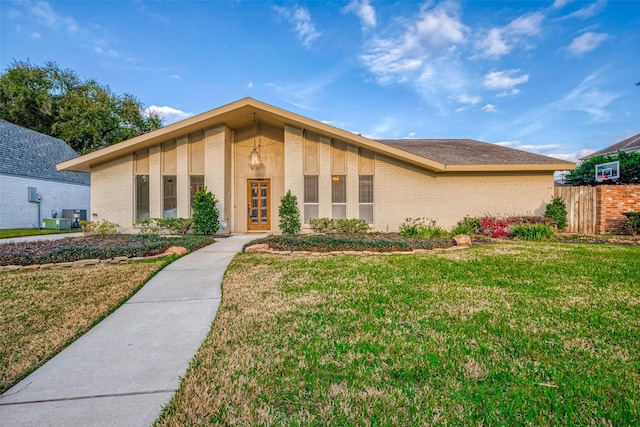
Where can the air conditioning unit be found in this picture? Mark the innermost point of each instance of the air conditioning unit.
(75, 215)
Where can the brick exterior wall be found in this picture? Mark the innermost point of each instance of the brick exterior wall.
(611, 202)
(182, 177)
(17, 212)
(112, 192)
(293, 164)
(403, 191)
(215, 177)
(400, 190)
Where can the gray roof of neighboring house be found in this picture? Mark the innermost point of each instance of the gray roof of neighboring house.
(629, 144)
(24, 152)
(469, 152)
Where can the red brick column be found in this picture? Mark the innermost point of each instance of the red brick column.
(611, 202)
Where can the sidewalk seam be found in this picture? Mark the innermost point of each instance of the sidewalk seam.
(97, 396)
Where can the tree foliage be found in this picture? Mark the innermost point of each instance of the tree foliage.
(57, 102)
(585, 173)
(205, 213)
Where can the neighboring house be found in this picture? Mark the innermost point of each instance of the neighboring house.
(28, 161)
(628, 145)
(332, 172)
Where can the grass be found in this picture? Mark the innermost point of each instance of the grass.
(21, 232)
(512, 333)
(43, 311)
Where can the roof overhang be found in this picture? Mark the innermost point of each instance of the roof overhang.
(240, 113)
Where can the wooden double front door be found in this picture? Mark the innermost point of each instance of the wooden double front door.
(258, 209)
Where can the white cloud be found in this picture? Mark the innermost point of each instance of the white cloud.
(489, 108)
(364, 10)
(543, 148)
(169, 115)
(466, 99)
(42, 14)
(589, 11)
(505, 81)
(588, 98)
(250, 85)
(571, 157)
(586, 42)
(559, 4)
(301, 18)
(500, 41)
(417, 54)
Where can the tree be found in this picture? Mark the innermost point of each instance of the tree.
(57, 102)
(585, 174)
(205, 212)
(289, 214)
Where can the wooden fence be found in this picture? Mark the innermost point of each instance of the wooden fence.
(581, 208)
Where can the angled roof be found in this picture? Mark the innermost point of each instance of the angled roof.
(469, 152)
(629, 144)
(27, 153)
(240, 113)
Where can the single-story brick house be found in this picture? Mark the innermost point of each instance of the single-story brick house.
(28, 172)
(332, 172)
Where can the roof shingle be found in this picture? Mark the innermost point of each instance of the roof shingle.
(24, 152)
(629, 144)
(469, 152)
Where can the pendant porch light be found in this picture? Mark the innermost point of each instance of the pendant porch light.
(254, 158)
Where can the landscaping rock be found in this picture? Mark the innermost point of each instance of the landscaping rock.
(84, 262)
(462, 240)
(176, 250)
(262, 247)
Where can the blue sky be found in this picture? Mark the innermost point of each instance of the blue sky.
(552, 77)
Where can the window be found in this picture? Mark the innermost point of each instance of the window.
(310, 197)
(339, 196)
(142, 196)
(366, 198)
(196, 183)
(169, 197)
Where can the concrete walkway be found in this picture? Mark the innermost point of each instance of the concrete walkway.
(124, 370)
(40, 237)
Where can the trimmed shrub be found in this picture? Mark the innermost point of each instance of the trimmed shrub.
(631, 225)
(289, 214)
(533, 232)
(373, 242)
(99, 228)
(148, 226)
(343, 225)
(351, 226)
(467, 225)
(205, 213)
(175, 225)
(153, 226)
(557, 211)
(322, 225)
(103, 247)
(422, 227)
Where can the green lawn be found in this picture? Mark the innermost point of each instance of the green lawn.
(21, 232)
(43, 311)
(504, 334)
